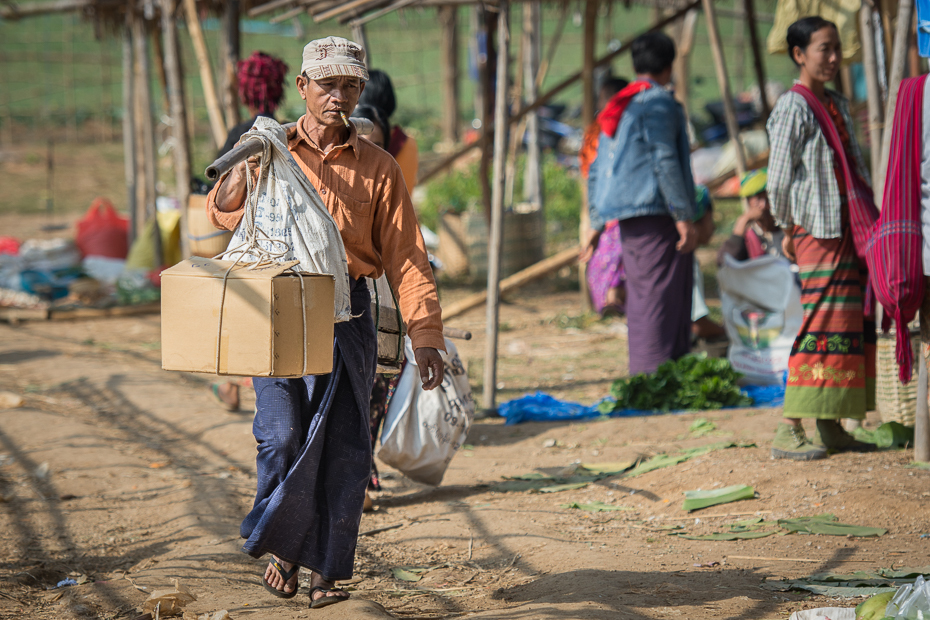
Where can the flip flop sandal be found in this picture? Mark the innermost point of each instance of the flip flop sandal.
(326, 599)
(286, 575)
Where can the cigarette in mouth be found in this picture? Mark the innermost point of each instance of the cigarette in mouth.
(345, 120)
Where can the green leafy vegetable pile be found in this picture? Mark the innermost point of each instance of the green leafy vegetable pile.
(691, 382)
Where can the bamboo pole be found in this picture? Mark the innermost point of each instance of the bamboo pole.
(497, 209)
(921, 421)
(872, 87)
(214, 111)
(757, 61)
(532, 175)
(231, 53)
(898, 67)
(147, 124)
(512, 283)
(587, 117)
(174, 79)
(485, 113)
(448, 19)
(129, 129)
(550, 94)
(360, 36)
(720, 66)
(681, 68)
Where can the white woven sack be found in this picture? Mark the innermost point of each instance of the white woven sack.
(287, 219)
(762, 314)
(422, 430)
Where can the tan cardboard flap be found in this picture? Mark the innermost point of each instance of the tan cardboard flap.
(211, 267)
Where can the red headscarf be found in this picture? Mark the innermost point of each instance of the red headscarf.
(609, 118)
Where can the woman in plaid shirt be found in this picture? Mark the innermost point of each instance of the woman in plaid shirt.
(820, 194)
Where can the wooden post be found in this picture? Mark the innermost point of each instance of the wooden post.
(532, 176)
(497, 209)
(146, 121)
(898, 67)
(182, 156)
(872, 87)
(720, 66)
(129, 128)
(913, 55)
(231, 54)
(448, 19)
(749, 7)
(681, 68)
(485, 111)
(214, 112)
(921, 420)
(588, 104)
(361, 37)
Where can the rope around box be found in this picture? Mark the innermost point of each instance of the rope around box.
(252, 248)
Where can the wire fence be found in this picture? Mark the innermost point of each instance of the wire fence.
(59, 76)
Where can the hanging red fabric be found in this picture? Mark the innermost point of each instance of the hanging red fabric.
(862, 211)
(609, 118)
(895, 250)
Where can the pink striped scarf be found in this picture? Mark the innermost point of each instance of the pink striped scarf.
(894, 253)
(862, 211)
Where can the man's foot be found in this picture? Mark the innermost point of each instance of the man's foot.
(791, 443)
(323, 593)
(227, 394)
(369, 503)
(281, 578)
(832, 436)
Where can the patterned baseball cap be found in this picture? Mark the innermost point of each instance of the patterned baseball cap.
(333, 56)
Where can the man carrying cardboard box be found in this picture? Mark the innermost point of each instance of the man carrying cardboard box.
(314, 451)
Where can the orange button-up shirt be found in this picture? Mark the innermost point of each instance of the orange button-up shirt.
(363, 189)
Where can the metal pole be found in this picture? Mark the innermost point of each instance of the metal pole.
(497, 209)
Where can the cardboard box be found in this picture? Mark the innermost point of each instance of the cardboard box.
(262, 328)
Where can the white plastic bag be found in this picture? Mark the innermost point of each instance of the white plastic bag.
(286, 219)
(762, 313)
(422, 430)
(825, 613)
(911, 602)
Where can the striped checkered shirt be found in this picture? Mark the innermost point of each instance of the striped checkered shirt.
(801, 183)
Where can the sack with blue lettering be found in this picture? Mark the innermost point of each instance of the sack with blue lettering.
(423, 430)
(285, 218)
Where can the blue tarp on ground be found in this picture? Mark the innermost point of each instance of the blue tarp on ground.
(541, 407)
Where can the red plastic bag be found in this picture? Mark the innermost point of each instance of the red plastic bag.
(102, 231)
(9, 245)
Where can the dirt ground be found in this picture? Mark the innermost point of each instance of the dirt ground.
(126, 477)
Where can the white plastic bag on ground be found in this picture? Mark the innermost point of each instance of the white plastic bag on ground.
(762, 313)
(422, 430)
(825, 613)
(287, 219)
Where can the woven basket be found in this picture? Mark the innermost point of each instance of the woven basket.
(895, 402)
